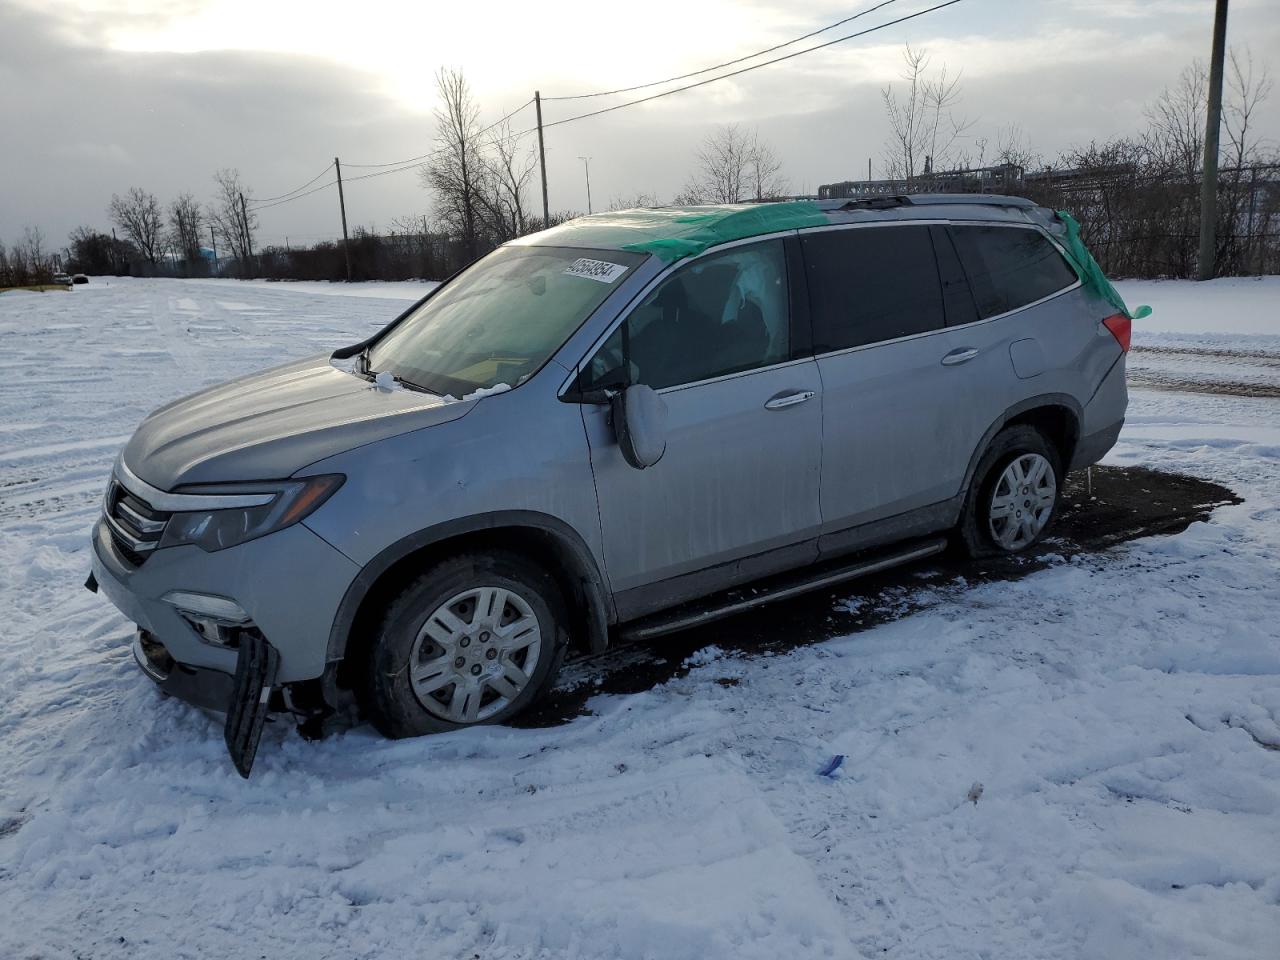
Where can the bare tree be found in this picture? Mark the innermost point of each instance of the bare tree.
(91, 251)
(26, 262)
(924, 131)
(234, 223)
(507, 172)
(1012, 147)
(185, 221)
(33, 241)
(1175, 134)
(765, 173)
(635, 200)
(733, 165)
(723, 171)
(1247, 92)
(457, 173)
(137, 214)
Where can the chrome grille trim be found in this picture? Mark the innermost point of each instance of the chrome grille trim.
(138, 521)
(180, 502)
(128, 539)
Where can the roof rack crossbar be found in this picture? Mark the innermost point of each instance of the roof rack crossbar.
(880, 202)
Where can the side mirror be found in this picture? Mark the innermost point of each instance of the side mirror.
(640, 422)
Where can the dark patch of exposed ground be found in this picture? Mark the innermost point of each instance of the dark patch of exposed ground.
(1114, 505)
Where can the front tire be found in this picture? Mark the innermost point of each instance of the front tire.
(1014, 494)
(476, 639)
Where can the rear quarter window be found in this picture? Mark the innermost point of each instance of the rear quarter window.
(1009, 267)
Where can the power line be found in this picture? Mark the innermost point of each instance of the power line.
(727, 63)
(383, 173)
(292, 192)
(757, 66)
(438, 150)
(399, 166)
(289, 199)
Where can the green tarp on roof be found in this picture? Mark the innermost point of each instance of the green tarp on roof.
(1091, 275)
(671, 233)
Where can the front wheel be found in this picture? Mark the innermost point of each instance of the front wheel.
(474, 640)
(1014, 494)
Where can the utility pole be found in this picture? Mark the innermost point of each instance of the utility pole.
(1213, 119)
(586, 168)
(542, 161)
(342, 206)
(213, 240)
(248, 237)
(115, 252)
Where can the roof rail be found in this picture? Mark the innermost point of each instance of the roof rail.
(982, 199)
(889, 201)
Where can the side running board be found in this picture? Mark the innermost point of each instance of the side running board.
(256, 668)
(777, 588)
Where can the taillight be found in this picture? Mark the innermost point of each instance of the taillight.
(1121, 328)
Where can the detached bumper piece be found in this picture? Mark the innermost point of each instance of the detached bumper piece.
(255, 677)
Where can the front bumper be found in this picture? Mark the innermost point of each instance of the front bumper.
(202, 687)
(289, 582)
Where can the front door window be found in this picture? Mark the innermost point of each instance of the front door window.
(717, 315)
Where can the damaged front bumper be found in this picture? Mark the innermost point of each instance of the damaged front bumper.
(245, 697)
(235, 671)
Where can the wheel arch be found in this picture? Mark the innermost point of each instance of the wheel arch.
(541, 537)
(1057, 415)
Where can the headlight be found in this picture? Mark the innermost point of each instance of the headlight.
(221, 528)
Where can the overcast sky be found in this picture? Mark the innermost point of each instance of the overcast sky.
(102, 95)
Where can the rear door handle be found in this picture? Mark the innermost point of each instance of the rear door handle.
(963, 355)
(783, 400)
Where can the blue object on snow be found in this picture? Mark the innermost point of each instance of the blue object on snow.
(831, 766)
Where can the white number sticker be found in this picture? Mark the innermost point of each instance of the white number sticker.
(601, 270)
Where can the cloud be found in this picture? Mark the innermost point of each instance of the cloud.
(100, 95)
(83, 122)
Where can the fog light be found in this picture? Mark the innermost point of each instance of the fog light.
(207, 605)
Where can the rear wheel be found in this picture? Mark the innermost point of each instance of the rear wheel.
(1014, 494)
(474, 640)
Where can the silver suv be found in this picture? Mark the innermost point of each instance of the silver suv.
(601, 431)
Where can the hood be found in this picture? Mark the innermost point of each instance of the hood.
(269, 425)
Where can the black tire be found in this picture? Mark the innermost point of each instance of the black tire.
(389, 699)
(1008, 445)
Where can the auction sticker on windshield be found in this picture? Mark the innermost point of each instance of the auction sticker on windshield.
(601, 270)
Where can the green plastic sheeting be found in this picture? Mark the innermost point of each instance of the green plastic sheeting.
(1091, 274)
(694, 230)
(671, 233)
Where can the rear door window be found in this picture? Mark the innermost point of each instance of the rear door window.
(871, 284)
(1009, 267)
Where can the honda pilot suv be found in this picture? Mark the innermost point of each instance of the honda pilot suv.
(607, 430)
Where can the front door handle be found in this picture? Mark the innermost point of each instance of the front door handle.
(963, 355)
(783, 400)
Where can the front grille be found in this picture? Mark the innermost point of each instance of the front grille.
(135, 526)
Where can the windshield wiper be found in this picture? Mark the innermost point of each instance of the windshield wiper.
(410, 385)
(402, 382)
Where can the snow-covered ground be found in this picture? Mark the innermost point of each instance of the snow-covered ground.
(1121, 711)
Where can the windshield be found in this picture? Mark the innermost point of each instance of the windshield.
(499, 321)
